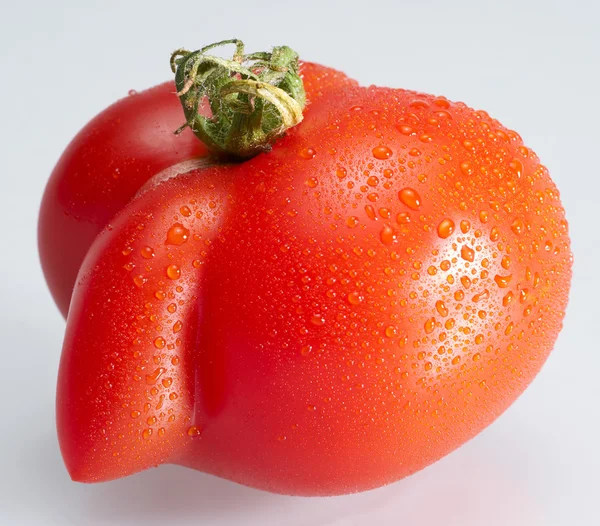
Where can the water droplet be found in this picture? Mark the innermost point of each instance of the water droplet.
(517, 226)
(410, 198)
(194, 431)
(139, 281)
(312, 182)
(174, 272)
(306, 350)
(502, 281)
(177, 235)
(516, 166)
(159, 342)
(429, 325)
(495, 234)
(146, 434)
(135, 414)
(341, 173)
(421, 104)
(405, 130)
(467, 168)
(391, 331)
(185, 211)
(147, 252)
(354, 298)
(352, 221)
(402, 218)
(317, 319)
(445, 228)
(441, 308)
(132, 92)
(307, 153)
(387, 235)
(456, 360)
(443, 115)
(370, 211)
(467, 253)
(385, 213)
(373, 180)
(382, 152)
(178, 326)
(465, 226)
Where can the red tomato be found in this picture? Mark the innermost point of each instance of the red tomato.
(110, 159)
(325, 318)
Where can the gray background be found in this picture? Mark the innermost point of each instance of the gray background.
(532, 64)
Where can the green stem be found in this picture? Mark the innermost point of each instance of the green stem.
(253, 98)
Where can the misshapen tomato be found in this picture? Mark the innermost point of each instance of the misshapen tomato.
(324, 318)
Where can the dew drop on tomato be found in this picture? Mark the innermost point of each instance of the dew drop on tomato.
(410, 198)
(194, 431)
(173, 272)
(467, 253)
(517, 226)
(502, 281)
(382, 153)
(307, 153)
(387, 235)
(147, 252)
(177, 234)
(445, 228)
(354, 298)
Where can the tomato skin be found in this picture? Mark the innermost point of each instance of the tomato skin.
(99, 173)
(107, 396)
(354, 305)
(110, 159)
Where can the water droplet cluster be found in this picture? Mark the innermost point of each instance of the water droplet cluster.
(412, 260)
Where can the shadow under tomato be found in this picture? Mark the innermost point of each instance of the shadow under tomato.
(475, 485)
(157, 496)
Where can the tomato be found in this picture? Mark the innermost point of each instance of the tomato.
(110, 159)
(326, 317)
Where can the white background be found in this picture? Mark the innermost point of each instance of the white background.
(532, 64)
